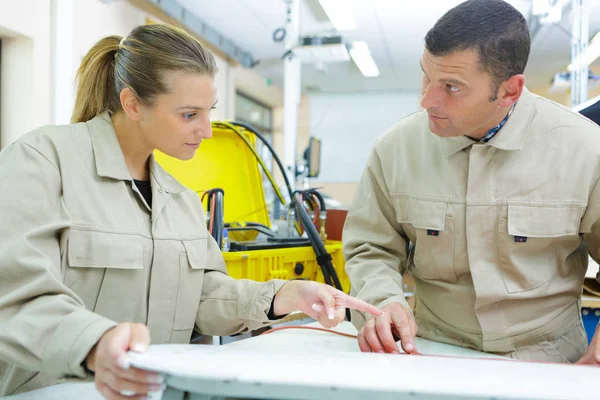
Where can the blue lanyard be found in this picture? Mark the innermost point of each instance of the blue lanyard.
(492, 132)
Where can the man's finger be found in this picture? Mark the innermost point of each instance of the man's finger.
(362, 342)
(586, 359)
(414, 326)
(405, 330)
(372, 338)
(384, 332)
(356, 304)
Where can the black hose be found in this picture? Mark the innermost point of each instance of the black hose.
(216, 208)
(319, 196)
(323, 258)
(319, 246)
(312, 233)
(271, 149)
(219, 223)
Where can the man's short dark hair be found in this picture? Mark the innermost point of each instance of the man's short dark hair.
(494, 28)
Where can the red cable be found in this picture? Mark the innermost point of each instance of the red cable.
(212, 213)
(416, 353)
(309, 328)
(317, 204)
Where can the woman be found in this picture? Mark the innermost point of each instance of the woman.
(101, 249)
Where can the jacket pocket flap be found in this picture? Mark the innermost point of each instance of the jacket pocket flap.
(534, 221)
(93, 249)
(196, 252)
(426, 214)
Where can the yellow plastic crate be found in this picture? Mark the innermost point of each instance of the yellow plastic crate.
(225, 161)
(287, 264)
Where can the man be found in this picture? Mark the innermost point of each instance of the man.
(488, 197)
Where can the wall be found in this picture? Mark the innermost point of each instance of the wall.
(303, 135)
(225, 91)
(254, 85)
(562, 96)
(348, 125)
(119, 18)
(45, 47)
(43, 43)
(78, 25)
(26, 84)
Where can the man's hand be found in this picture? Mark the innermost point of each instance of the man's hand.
(592, 355)
(322, 302)
(115, 379)
(377, 335)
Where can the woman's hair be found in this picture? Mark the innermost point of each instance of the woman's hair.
(138, 62)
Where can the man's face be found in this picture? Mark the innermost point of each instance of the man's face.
(456, 93)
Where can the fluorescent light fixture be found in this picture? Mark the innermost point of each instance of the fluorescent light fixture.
(324, 53)
(591, 53)
(362, 57)
(314, 49)
(339, 13)
(540, 7)
(554, 13)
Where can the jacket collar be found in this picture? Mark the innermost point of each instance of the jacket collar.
(512, 135)
(110, 161)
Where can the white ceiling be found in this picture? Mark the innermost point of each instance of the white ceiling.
(394, 35)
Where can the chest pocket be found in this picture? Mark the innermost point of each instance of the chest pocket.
(432, 234)
(192, 266)
(534, 243)
(106, 270)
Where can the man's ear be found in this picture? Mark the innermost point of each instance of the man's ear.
(130, 104)
(511, 90)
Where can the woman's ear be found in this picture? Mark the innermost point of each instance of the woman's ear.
(130, 104)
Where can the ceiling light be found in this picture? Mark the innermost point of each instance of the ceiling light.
(540, 7)
(339, 13)
(313, 49)
(554, 13)
(362, 57)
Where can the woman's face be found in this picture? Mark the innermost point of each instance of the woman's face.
(177, 121)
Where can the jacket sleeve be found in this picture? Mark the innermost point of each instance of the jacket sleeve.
(228, 305)
(375, 246)
(590, 225)
(43, 325)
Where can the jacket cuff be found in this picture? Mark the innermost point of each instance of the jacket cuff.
(254, 304)
(72, 341)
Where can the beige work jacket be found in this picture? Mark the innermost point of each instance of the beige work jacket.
(80, 250)
(501, 230)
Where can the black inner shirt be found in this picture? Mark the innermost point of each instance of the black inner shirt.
(145, 189)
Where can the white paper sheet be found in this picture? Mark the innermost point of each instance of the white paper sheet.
(306, 359)
(372, 373)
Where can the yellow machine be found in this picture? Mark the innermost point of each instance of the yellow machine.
(229, 161)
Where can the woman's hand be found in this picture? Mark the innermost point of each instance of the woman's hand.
(321, 302)
(114, 378)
